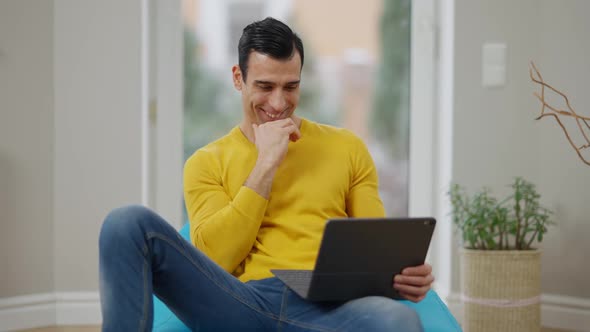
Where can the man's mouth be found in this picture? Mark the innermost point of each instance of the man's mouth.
(273, 115)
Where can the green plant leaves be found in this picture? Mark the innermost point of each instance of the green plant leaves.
(488, 224)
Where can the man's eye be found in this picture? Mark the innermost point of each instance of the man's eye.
(265, 87)
(291, 87)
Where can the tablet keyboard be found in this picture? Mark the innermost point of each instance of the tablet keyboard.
(298, 280)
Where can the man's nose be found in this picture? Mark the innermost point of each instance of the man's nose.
(278, 101)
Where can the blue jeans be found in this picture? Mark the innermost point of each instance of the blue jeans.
(141, 253)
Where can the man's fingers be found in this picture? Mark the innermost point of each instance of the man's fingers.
(412, 287)
(286, 121)
(296, 133)
(293, 131)
(414, 280)
(412, 290)
(421, 270)
(286, 126)
(279, 123)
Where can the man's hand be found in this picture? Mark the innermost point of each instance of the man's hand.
(414, 282)
(272, 142)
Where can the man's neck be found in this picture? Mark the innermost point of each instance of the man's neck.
(247, 130)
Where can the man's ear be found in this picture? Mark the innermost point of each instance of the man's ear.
(237, 77)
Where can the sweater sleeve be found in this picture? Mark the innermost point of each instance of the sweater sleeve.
(222, 228)
(363, 197)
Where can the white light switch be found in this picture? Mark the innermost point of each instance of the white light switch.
(493, 65)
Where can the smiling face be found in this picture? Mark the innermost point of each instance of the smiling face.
(271, 90)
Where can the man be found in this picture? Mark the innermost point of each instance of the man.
(257, 199)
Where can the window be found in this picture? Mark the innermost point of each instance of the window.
(356, 75)
(241, 13)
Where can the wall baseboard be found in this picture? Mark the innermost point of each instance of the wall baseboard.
(557, 311)
(48, 309)
(566, 312)
(78, 308)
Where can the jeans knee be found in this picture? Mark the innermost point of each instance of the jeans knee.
(409, 319)
(384, 314)
(401, 318)
(122, 223)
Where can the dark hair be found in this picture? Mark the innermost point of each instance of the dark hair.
(271, 37)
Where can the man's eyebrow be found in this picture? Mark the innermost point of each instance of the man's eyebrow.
(261, 82)
(258, 82)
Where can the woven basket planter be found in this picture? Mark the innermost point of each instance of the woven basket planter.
(501, 290)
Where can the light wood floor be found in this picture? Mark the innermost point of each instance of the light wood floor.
(66, 329)
(97, 329)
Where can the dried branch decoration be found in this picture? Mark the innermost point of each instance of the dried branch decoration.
(581, 121)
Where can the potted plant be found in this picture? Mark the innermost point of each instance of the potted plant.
(500, 267)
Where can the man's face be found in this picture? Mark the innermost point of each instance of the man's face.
(271, 90)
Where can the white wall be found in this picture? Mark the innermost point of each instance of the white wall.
(73, 99)
(495, 136)
(26, 147)
(70, 136)
(168, 91)
(564, 50)
(98, 100)
(74, 87)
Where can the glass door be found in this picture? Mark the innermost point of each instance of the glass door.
(356, 74)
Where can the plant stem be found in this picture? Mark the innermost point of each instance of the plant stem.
(532, 239)
(526, 225)
(504, 237)
(518, 217)
(481, 241)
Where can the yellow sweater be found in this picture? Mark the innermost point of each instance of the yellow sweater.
(327, 173)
